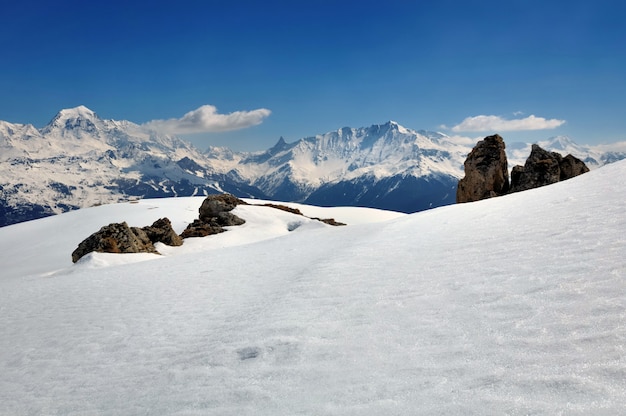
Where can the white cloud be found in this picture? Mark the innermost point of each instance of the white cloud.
(497, 123)
(206, 119)
(462, 140)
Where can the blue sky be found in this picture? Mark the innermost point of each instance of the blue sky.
(248, 72)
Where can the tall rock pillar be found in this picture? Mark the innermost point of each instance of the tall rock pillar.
(486, 171)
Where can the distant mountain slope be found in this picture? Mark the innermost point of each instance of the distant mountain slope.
(80, 160)
(384, 166)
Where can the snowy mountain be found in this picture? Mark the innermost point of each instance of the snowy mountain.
(384, 166)
(511, 305)
(80, 160)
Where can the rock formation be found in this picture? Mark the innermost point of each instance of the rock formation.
(486, 171)
(161, 231)
(214, 215)
(572, 166)
(115, 238)
(545, 168)
(120, 238)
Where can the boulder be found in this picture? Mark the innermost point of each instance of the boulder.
(214, 214)
(162, 231)
(545, 168)
(213, 205)
(115, 238)
(201, 229)
(486, 171)
(572, 166)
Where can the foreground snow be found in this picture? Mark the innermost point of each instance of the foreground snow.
(514, 305)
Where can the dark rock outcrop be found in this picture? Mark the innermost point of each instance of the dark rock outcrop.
(214, 205)
(120, 238)
(115, 238)
(486, 171)
(214, 214)
(572, 166)
(545, 168)
(161, 231)
(201, 229)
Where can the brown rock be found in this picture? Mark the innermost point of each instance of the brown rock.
(214, 214)
(486, 171)
(214, 204)
(161, 231)
(115, 238)
(201, 229)
(545, 168)
(572, 166)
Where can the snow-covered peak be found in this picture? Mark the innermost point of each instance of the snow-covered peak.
(79, 117)
(558, 143)
(79, 111)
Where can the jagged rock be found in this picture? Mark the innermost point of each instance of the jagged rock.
(486, 171)
(201, 229)
(214, 214)
(545, 168)
(213, 205)
(572, 166)
(115, 238)
(161, 231)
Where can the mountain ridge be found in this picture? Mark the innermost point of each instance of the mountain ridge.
(79, 159)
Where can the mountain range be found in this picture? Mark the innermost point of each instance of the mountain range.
(81, 160)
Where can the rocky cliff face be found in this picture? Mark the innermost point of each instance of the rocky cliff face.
(486, 171)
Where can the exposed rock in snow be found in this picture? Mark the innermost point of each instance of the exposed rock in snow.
(486, 171)
(545, 168)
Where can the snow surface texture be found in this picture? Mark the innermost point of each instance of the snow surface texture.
(513, 305)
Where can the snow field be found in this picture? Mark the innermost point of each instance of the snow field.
(513, 305)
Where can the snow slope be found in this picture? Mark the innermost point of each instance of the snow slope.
(514, 305)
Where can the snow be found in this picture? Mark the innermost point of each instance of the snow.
(514, 305)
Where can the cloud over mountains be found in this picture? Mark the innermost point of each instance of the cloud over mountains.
(206, 119)
(485, 123)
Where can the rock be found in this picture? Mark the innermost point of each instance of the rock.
(214, 204)
(161, 231)
(214, 214)
(115, 238)
(201, 229)
(572, 166)
(226, 219)
(486, 171)
(545, 168)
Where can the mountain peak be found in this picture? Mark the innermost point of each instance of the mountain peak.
(77, 112)
(562, 143)
(71, 118)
